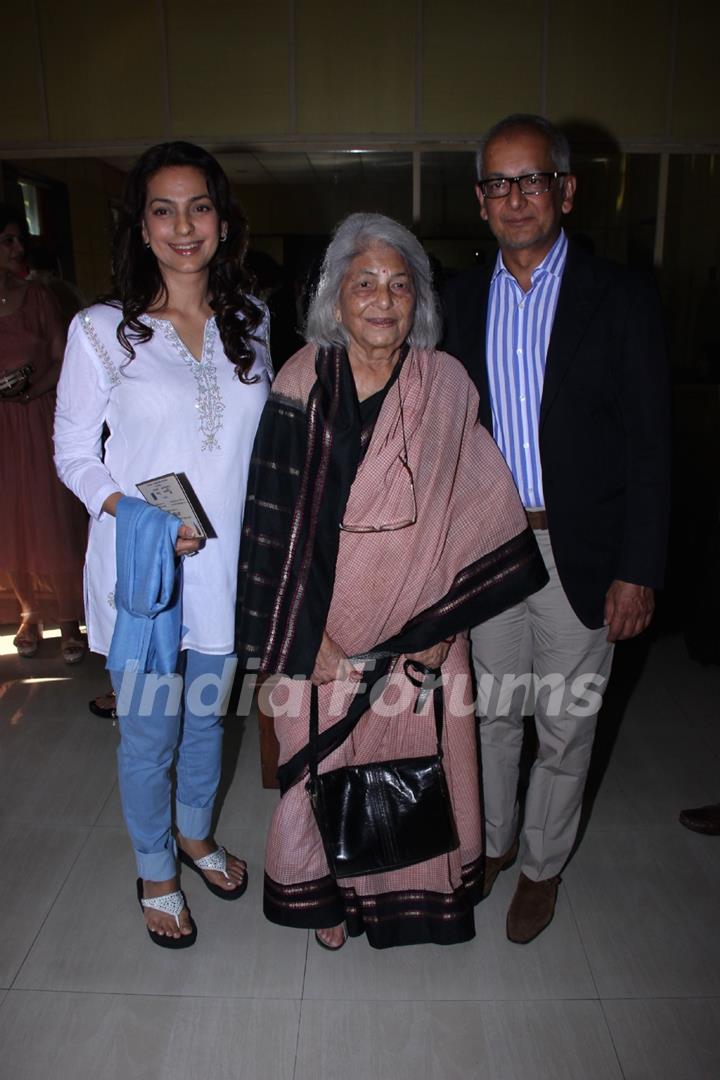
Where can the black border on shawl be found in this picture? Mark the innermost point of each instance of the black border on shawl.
(400, 917)
(289, 613)
(286, 638)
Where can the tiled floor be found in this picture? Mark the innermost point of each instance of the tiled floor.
(624, 984)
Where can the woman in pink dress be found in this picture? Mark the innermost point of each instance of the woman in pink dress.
(41, 556)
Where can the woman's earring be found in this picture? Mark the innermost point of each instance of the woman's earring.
(223, 236)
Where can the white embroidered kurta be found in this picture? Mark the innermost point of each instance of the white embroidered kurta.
(166, 412)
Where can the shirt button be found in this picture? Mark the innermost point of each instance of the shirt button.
(521, 304)
(526, 446)
(522, 397)
(519, 352)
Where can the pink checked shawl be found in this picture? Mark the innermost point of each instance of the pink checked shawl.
(467, 508)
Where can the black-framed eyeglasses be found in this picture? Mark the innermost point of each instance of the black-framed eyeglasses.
(537, 183)
(404, 523)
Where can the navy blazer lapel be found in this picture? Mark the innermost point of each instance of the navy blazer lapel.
(579, 296)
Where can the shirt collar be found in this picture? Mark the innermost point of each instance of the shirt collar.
(553, 263)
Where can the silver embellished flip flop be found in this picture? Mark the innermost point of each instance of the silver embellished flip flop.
(216, 860)
(171, 904)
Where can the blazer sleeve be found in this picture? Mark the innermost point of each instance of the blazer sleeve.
(644, 386)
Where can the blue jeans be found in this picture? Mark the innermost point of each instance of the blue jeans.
(165, 719)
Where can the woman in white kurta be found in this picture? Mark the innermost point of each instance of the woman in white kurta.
(178, 370)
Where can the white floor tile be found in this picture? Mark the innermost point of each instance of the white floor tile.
(646, 902)
(612, 806)
(112, 1037)
(636, 924)
(687, 695)
(57, 761)
(95, 938)
(666, 1040)
(655, 774)
(662, 759)
(416, 1041)
(34, 862)
(111, 814)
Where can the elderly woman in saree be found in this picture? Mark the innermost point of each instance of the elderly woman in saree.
(381, 523)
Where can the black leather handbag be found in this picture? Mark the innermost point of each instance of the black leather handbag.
(386, 814)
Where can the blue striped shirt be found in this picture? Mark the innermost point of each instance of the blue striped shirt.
(519, 325)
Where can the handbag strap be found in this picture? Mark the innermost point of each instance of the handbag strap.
(313, 742)
(334, 736)
(430, 680)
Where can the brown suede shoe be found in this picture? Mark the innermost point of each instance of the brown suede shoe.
(703, 819)
(531, 909)
(495, 863)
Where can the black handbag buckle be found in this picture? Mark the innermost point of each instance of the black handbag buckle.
(426, 684)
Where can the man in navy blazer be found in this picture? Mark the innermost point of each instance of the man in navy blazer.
(567, 353)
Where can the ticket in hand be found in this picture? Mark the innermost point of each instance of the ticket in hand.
(174, 494)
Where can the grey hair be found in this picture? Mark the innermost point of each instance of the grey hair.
(356, 234)
(557, 140)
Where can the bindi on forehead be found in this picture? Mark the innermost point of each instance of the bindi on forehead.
(385, 271)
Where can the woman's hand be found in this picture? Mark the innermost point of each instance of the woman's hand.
(187, 542)
(110, 504)
(332, 664)
(435, 656)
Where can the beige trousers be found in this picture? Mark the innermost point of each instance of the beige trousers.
(538, 658)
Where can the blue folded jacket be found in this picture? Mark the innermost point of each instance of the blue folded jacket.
(147, 594)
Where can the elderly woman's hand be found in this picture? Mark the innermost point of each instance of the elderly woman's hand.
(332, 664)
(435, 656)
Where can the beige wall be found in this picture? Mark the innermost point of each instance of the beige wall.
(104, 78)
(86, 73)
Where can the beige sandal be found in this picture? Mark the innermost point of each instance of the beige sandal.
(27, 641)
(73, 650)
(325, 944)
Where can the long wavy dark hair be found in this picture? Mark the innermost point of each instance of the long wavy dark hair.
(138, 282)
